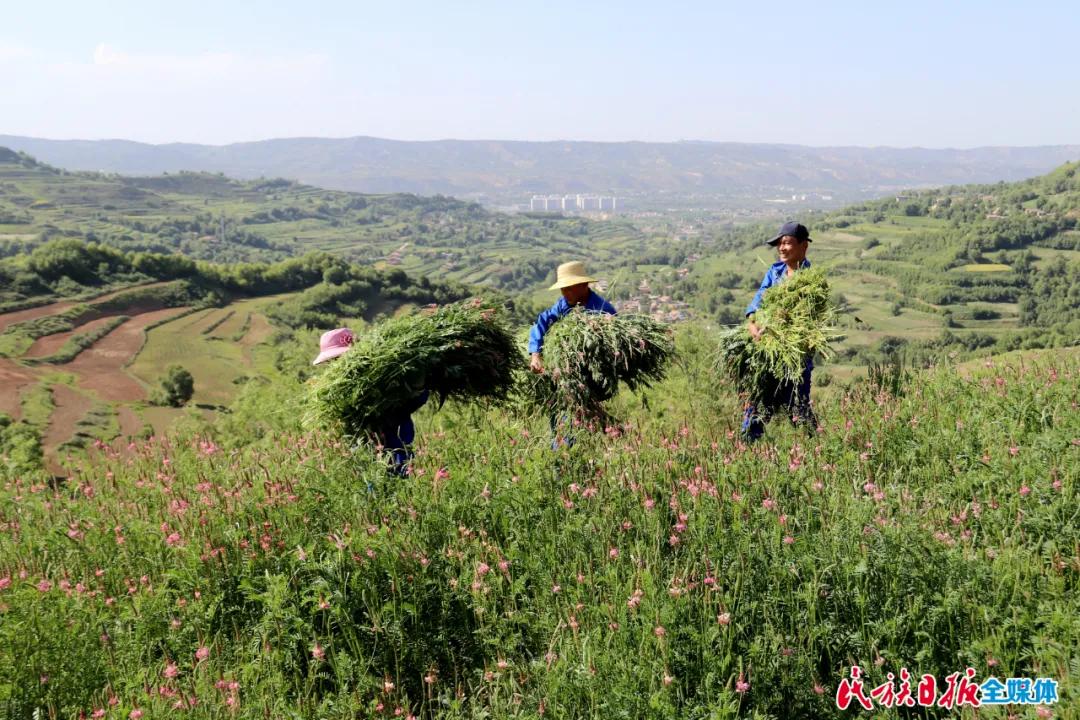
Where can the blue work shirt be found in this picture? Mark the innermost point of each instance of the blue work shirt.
(773, 276)
(546, 319)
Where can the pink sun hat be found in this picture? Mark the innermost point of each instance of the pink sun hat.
(333, 343)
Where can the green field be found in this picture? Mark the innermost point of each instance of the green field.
(215, 359)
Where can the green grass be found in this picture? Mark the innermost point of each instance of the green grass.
(14, 344)
(986, 268)
(214, 365)
(641, 574)
(37, 404)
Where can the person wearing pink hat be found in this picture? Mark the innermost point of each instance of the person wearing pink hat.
(397, 433)
(333, 343)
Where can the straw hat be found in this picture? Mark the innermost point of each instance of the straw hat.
(571, 273)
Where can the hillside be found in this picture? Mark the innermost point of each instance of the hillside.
(991, 267)
(963, 267)
(661, 569)
(702, 174)
(212, 217)
(224, 559)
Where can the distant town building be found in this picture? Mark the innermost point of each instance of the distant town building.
(574, 203)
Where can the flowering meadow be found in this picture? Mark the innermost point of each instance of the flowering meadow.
(658, 568)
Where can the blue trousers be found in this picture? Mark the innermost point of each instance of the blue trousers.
(397, 439)
(397, 436)
(788, 397)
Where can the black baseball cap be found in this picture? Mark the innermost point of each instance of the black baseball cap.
(794, 229)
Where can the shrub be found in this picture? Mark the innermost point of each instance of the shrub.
(177, 387)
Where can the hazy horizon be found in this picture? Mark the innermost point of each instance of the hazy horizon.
(688, 141)
(921, 75)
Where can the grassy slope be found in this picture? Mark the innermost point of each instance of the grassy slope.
(322, 598)
(871, 249)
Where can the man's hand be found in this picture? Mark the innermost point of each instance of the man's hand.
(755, 331)
(536, 364)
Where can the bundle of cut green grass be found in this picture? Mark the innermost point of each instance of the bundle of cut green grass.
(796, 319)
(461, 351)
(587, 355)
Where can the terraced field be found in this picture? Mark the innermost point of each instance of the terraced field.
(103, 392)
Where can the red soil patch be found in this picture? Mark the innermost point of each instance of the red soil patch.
(35, 312)
(71, 406)
(29, 314)
(13, 377)
(45, 346)
(100, 367)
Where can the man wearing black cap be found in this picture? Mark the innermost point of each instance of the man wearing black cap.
(791, 243)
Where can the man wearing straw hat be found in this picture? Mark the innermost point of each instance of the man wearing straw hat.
(572, 280)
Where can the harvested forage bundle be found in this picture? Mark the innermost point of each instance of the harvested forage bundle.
(462, 350)
(587, 354)
(796, 319)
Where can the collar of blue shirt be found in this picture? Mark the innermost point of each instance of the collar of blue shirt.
(780, 268)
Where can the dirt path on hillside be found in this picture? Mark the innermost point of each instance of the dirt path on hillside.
(101, 367)
(130, 424)
(71, 406)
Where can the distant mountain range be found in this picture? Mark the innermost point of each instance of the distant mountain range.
(505, 171)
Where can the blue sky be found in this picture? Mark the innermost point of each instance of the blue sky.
(959, 74)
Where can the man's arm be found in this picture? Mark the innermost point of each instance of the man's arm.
(766, 283)
(543, 323)
(754, 328)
